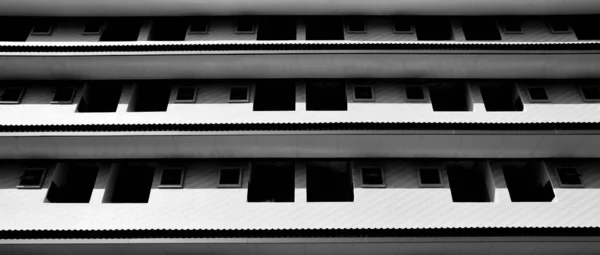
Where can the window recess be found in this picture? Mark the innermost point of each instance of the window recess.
(94, 27)
(275, 95)
(168, 29)
(355, 25)
(276, 28)
(470, 182)
(63, 96)
(32, 178)
(402, 25)
(72, 183)
(272, 181)
(324, 28)
(129, 183)
(100, 97)
(198, 25)
(433, 29)
(430, 177)
(586, 27)
(326, 95)
(501, 97)
(528, 182)
(11, 95)
(42, 27)
(121, 29)
(186, 94)
(172, 177)
(450, 97)
(246, 25)
(511, 26)
(538, 94)
(239, 94)
(230, 177)
(480, 29)
(569, 177)
(590, 93)
(372, 177)
(150, 96)
(559, 26)
(329, 181)
(15, 29)
(414, 93)
(363, 94)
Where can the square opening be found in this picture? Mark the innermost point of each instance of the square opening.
(129, 184)
(275, 95)
(434, 29)
(363, 94)
(230, 177)
(277, 28)
(329, 181)
(198, 25)
(590, 93)
(480, 29)
(246, 25)
(586, 27)
(121, 29)
(239, 94)
(186, 94)
(468, 182)
(63, 96)
(326, 96)
(11, 95)
(72, 183)
(501, 97)
(559, 26)
(100, 97)
(402, 25)
(355, 25)
(324, 28)
(528, 182)
(42, 27)
(372, 177)
(172, 177)
(538, 94)
(569, 177)
(93, 27)
(414, 93)
(15, 29)
(272, 182)
(150, 97)
(449, 97)
(430, 177)
(168, 29)
(511, 26)
(32, 178)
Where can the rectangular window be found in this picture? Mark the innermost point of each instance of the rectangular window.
(538, 94)
(198, 26)
(275, 95)
(363, 94)
(568, 177)
(414, 93)
(272, 181)
(355, 25)
(168, 29)
(246, 25)
(230, 177)
(528, 182)
(559, 26)
(402, 25)
(326, 95)
(32, 178)
(434, 29)
(501, 97)
(511, 26)
(186, 94)
(324, 28)
(277, 28)
(94, 27)
(590, 93)
(72, 183)
(100, 97)
(449, 97)
(63, 96)
(468, 182)
(239, 94)
(480, 29)
(372, 177)
(172, 177)
(150, 96)
(329, 181)
(430, 177)
(129, 184)
(121, 29)
(11, 95)
(43, 27)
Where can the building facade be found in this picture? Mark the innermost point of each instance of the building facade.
(299, 127)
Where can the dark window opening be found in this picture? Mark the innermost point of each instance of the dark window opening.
(537, 94)
(326, 96)
(501, 97)
(433, 29)
(356, 25)
(100, 97)
(186, 95)
(414, 93)
(93, 26)
(511, 26)
(150, 97)
(430, 176)
(528, 183)
(272, 182)
(590, 92)
(239, 94)
(402, 25)
(275, 95)
(277, 28)
(129, 184)
(172, 178)
(168, 29)
(121, 29)
(559, 26)
(467, 184)
(11, 95)
(73, 183)
(363, 93)
(586, 27)
(246, 25)
(230, 177)
(32, 178)
(329, 181)
(199, 25)
(480, 29)
(14, 29)
(569, 176)
(63, 95)
(372, 177)
(43, 27)
(324, 28)
(449, 97)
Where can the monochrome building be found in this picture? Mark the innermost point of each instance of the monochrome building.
(300, 127)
